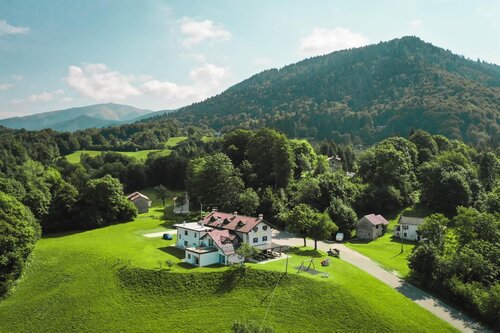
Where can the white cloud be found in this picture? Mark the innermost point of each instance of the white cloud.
(196, 32)
(5, 86)
(323, 41)
(7, 29)
(416, 24)
(45, 96)
(206, 81)
(99, 83)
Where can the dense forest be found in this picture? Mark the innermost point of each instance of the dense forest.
(364, 95)
(291, 182)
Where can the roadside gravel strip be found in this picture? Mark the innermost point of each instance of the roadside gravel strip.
(443, 311)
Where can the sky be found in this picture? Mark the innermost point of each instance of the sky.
(162, 55)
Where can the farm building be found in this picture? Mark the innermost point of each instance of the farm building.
(407, 227)
(181, 205)
(215, 238)
(371, 226)
(141, 201)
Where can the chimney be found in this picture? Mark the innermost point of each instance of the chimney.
(214, 210)
(261, 216)
(184, 223)
(235, 214)
(200, 222)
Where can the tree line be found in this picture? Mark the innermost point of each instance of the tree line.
(290, 181)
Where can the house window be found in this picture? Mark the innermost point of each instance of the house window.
(185, 232)
(376, 226)
(264, 228)
(256, 239)
(255, 229)
(195, 235)
(180, 236)
(405, 227)
(264, 238)
(186, 243)
(197, 261)
(404, 234)
(189, 256)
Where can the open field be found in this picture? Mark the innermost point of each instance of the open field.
(386, 250)
(109, 280)
(174, 141)
(141, 155)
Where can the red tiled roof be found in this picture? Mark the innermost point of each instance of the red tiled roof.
(376, 219)
(225, 240)
(232, 222)
(136, 195)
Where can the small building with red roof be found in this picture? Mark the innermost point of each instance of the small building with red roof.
(371, 226)
(141, 201)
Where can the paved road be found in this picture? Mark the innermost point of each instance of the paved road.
(454, 317)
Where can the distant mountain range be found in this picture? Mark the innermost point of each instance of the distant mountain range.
(99, 115)
(363, 95)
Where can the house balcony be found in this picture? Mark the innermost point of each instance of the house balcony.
(201, 249)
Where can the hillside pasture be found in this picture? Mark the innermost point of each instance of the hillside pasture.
(114, 279)
(140, 155)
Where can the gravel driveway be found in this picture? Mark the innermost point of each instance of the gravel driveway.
(452, 316)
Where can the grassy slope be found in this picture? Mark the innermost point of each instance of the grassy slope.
(141, 155)
(174, 141)
(108, 280)
(386, 250)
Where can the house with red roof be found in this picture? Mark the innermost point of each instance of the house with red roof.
(141, 201)
(371, 226)
(216, 237)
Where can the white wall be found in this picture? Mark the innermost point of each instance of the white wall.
(407, 231)
(259, 234)
(209, 258)
(192, 238)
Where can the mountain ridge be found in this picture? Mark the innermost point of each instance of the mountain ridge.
(77, 118)
(364, 94)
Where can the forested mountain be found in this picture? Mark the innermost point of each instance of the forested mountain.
(363, 95)
(99, 115)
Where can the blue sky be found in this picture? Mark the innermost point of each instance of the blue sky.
(166, 54)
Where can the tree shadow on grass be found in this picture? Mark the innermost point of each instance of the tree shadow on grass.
(62, 234)
(305, 252)
(173, 251)
(230, 279)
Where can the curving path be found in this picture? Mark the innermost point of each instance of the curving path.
(445, 312)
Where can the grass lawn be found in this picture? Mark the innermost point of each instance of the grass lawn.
(141, 155)
(108, 280)
(174, 141)
(386, 250)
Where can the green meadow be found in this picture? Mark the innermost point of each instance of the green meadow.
(110, 280)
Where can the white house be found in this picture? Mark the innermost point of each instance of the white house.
(215, 238)
(407, 227)
(181, 206)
